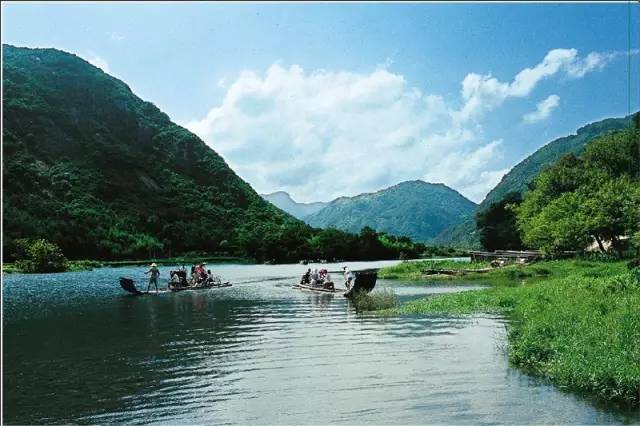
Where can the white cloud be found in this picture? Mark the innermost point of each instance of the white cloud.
(319, 135)
(222, 83)
(484, 93)
(323, 134)
(543, 110)
(99, 62)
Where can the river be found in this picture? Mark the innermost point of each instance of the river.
(77, 349)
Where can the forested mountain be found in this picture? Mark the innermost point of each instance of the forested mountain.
(104, 174)
(416, 209)
(283, 201)
(524, 172)
(464, 233)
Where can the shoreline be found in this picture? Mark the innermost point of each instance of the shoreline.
(88, 265)
(574, 322)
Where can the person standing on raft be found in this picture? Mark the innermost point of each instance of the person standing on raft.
(153, 279)
(348, 277)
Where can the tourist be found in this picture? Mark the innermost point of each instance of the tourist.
(153, 278)
(306, 277)
(175, 279)
(314, 278)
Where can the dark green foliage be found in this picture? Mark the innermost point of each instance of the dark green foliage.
(497, 224)
(415, 209)
(38, 256)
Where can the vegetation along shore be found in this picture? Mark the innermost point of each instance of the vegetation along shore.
(574, 322)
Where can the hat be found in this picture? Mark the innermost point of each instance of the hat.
(153, 264)
(344, 267)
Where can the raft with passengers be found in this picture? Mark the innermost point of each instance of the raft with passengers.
(201, 278)
(320, 281)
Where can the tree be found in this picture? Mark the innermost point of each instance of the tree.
(579, 200)
(39, 256)
(497, 224)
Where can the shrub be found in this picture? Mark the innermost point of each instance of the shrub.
(375, 301)
(39, 256)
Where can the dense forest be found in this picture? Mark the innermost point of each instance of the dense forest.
(590, 200)
(102, 174)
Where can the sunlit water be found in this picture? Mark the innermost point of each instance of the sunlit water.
(77, 349)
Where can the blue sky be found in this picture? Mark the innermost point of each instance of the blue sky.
(323, 100)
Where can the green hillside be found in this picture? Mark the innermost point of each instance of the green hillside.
(464, 233)
(415, 209)
(92, 167)
(524, 172)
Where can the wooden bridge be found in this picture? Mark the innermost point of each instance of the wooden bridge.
(509, 256)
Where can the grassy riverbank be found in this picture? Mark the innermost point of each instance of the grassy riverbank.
(574, 322)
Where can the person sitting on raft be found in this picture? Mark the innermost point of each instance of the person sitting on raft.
(175, 279)
(306, 277)
(315, 279)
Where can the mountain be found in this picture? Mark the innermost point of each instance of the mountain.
(92, 167)
(463, 234)
(415, 209)
(283, 201)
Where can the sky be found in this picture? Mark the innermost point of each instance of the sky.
(332, 99)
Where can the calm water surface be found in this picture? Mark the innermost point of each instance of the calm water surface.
(77, 349)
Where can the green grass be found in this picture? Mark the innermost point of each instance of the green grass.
(375, 301)
(577, 323)
(412, 271)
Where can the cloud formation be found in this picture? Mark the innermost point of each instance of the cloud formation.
(323, 134)
(543, 110)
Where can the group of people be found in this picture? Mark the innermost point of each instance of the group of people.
(322, 279)
(178, 278)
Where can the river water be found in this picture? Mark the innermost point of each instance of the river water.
(77, 349)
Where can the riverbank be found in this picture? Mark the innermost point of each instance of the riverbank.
(87, 265)
(574, 322)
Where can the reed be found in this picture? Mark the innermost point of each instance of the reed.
(375, 301)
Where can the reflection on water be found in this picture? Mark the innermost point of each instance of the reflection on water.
(79, 350)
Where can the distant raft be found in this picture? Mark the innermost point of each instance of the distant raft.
(365, 281)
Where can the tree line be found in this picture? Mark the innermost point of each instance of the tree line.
(590, 200)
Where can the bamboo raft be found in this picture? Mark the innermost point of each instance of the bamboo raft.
(129, 286)
(319, 289)
(364, 281)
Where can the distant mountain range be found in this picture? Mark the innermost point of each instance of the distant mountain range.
(464, 233)
(283, 201)
(415, 209)
(434, 213)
